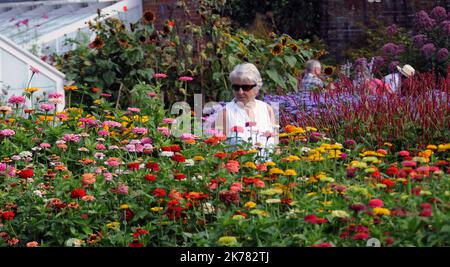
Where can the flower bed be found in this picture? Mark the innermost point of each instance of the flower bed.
(122, 180)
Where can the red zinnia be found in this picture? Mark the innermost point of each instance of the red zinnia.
(150, 177)
(136, 244)
(8, 215)
(152, 166)
(178, 158)
(392, 171)
(175, 148)
(159, 192)
(179, 176)
(311, 218)
(221, 155)
(133, 166)
(27, 173)
(388, 182)
(78, 193)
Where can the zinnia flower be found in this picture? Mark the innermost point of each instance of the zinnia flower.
(185, 78)
(16, 100)
(376, 203)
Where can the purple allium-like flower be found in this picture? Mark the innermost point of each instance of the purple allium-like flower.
(419, 40)
(442, 55)
(446, 27)
(438, 13)
(393, 66)
(428, 50)
(423, 21)
(392, 30)
(16, 100)
(392, 49)
(378, 62)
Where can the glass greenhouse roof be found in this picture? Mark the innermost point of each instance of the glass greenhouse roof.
(23, 21)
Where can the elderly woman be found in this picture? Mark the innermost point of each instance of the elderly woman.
(245, 117)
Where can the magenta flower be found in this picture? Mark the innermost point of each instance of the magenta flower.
(7, 132)
(103, 133)
(419, 40)
(392, 49)
(186, 78)
(428, 50)
(446, 27)
(55, 95)
(47, 107)
(442, 55)
(376, 203)
(423, 21)
(392, 30)
(139, 130)
(159, 75)
(151, 94)
(438, 13)
(71, 138)
(16, 100)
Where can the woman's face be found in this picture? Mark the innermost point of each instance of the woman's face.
(244, 90)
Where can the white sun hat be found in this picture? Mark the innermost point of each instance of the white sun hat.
(406, 70)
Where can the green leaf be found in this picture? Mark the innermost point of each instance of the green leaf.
(291, 60)
(109, 77)
(292, 81)
(273, 74)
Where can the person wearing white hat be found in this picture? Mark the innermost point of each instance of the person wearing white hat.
(394, 80)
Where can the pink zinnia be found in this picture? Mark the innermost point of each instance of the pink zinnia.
(237, 129)
(232, 166)
(186, 78)
(71, 137)
(16, 100)
(376, 203)
(33, 69)
(168, 120)
(139, 130)
(47, 107)
(55, 95)
(151, 94)
(159, 75)
(236, 186)
(409, 163)
(134, 109)
(403, 153)
(123, 189)
(103, 133)
(7, 132)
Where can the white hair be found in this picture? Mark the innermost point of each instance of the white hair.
(246, 73)
(311, 64)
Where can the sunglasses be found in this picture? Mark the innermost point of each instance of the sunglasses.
(245, 87)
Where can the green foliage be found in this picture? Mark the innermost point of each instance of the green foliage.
(122, 57)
